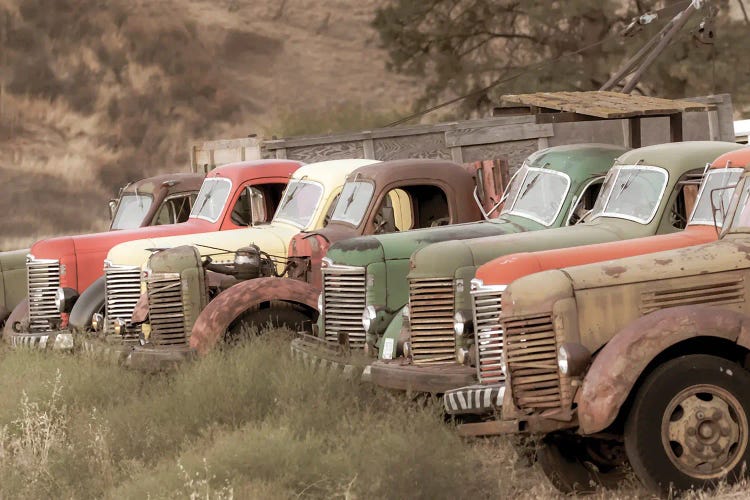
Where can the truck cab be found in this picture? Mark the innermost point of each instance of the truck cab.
(644, 356)
(63, 270)
(647, 191)
(354, 318)
(379, 198)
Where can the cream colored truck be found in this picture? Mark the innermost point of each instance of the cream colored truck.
(306, 205)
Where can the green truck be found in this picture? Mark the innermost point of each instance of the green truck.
(364, 287)
(648, 191)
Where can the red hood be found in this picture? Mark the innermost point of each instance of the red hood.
(505, 270)
(86, 252)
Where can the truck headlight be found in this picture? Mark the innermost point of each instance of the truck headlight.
(97, 321)
(368, 318)
(406, 313)
(462, 355)
(462, 323)
(572, 359)
(119, 326)
(320, 303)
(65, 298)
(407, 349)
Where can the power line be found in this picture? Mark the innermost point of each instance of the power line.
(526, 69)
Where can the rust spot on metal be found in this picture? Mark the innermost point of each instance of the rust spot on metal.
(614, 271)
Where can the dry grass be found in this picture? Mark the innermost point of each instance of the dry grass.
(248, 423)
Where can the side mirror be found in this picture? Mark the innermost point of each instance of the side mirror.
(112, 208)
(257, 206)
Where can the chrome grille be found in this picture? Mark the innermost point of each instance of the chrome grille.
(344, 300)
(488, 332)
(122, 289)
(165, 309)
(531, 357)
(44, 280)
(431, 321)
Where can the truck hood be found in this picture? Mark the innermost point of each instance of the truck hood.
(443, 259)
(730, 253)
(272, 238)
(12, 260)
(505, 270)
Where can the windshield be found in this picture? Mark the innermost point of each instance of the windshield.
(299, 202)
(741, 220)
(353, 202)
(131, 210)
(538, 195)
(211, 199)
(715, 178)
(631, 192)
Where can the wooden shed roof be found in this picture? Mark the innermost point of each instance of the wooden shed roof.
(604, 104)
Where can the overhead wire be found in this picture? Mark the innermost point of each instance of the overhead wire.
(526, 70)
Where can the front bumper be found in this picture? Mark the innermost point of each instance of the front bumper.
(150, 359)
(474, 400)
(106, 347)
(59, 341)
(404, 376)
(313, 352)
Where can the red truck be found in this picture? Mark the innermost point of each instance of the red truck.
(232, 196)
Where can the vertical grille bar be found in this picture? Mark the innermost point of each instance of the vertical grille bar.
(431, 321)
(166, 310)
(531, 354)
(488, 332)
(44, 280)
(122, 289)
(344, 300)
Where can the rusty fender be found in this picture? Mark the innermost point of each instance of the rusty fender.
(229, 305)
(19, 313)
(621, 362)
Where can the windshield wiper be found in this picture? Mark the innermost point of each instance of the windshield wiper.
(292, 195)
(350, 199)
(633, 175)
(529, 186)
(205, 199)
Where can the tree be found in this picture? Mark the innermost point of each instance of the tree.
(460, 46)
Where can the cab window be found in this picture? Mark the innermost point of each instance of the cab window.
(687, 194)
(411, 207)
(175, 210)
(585, 202)
(256, 204)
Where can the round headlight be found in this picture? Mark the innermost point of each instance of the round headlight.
(462, 356)
(320, 303)
(407, 349)
(406, 312)
(119, 326)
(97, 320)
(460, 323)
(562, 360)
(368, 317)
(60, 300)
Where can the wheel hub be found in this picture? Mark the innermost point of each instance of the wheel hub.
(704, 431)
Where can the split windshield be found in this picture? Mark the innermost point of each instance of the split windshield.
(715, 178)
(131, 210)
(537, 194)
(631, 192)
(353, 202)
(299, 203)
(212, 197)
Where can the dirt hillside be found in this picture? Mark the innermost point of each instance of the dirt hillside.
(95, 94)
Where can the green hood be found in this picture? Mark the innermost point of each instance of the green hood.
(444, 259)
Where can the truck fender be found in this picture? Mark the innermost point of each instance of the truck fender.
(231, 304)
(89, 302)
(620, 363)
(20, 314)
(393, 332)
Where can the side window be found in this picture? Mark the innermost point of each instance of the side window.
(250, 207)
(585, 202)
(412, 207)
(687, 194)
(174, 210)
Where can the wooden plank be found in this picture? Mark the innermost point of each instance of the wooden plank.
(489, 135)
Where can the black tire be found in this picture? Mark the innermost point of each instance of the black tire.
(695, 402)
(90, 301)
(569, 465)
(277, 315)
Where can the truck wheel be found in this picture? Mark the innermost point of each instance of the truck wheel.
(277, 315)
(689, 426)
(580, 465)
(19, 315)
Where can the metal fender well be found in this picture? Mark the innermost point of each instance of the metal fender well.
(392, 337)
(215, 319)
(19, 314)
(90, 301)
(619, 364)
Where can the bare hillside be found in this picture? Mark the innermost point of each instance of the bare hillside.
(95, 94)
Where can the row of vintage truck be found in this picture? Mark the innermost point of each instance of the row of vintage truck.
(598, 303)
